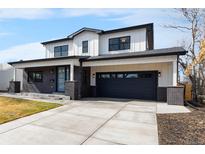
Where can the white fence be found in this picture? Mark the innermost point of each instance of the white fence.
(7, 75)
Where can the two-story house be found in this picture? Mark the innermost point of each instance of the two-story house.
(118, 63)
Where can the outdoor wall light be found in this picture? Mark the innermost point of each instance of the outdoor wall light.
(159, 74)
(93, 75)
(52, 71)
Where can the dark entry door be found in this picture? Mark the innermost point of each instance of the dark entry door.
(137, 85)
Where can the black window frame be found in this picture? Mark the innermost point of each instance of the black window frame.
(61, 51)
(32, 76)
(125, 75)
(117, 44)
(85, 46)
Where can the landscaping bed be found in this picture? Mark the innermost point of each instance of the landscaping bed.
(182, 128)
(14, 108)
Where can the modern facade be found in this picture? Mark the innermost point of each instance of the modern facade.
(118, 63)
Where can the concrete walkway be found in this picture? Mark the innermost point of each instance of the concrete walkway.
(89, 122)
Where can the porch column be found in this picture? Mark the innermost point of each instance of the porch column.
(71, 72)
(72, 87)
(14, 75)
(174, 73)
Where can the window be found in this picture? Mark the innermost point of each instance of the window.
(131, 75)
(61, 51)
(85, 46)
(104, 76)
(35, 76)
(119, 75)
(113, 75)
(146, 76)
(120, 43)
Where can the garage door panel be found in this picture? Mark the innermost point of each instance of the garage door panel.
(142, 86)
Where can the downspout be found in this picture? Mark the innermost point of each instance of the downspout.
(81, 78)
(178, 79)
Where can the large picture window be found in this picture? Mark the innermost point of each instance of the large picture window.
(35, 76)
(85, 46)
(120, 43)
(61, 51)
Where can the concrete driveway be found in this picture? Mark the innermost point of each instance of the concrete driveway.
(87, 122)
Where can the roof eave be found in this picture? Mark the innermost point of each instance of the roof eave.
(136, 56)
(48, 59)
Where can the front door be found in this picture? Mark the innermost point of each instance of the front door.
(61, 76)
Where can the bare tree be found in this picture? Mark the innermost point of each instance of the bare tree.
(194, 24)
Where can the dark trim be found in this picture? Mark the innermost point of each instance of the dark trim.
(150, 37)
(61, 50)
(128, 28)
(101, 32)
(85, 48)
(31, 80)
(71, 36)
(54, 41)
(151, 53)
(56, 79)
(48, 59)
(119, 43)
(177, 69)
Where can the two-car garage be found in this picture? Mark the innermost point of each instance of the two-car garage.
(136, 85)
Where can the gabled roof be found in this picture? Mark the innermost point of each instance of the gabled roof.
(71, 36)
(100, 32)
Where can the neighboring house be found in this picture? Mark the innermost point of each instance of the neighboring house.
(118, 63)
(7, 75)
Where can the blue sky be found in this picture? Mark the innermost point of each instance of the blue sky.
(22, 30)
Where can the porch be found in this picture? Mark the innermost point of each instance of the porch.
(147, 78)
(49, 76)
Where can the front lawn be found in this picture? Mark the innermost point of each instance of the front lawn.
(14, 108)
(182, 128)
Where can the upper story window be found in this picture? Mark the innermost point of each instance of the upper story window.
(60, 51)
(120, 43)
(85, 46)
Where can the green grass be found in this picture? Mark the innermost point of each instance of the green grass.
(15, 108)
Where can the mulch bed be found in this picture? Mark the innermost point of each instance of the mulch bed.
(182, 128)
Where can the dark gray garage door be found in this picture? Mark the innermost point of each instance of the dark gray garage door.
(137, 85)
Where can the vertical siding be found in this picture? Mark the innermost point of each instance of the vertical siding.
(175, 95)
(75, 45)
(93, 43)
(50, 48)
(138, 41)
(98, 44)
(165, 68)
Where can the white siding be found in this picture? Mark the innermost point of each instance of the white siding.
(93, 43)
(138, 41)
(7, 75)
(75, 45)
(98, 44)
(50, 48)
(166, 78)
(144, 60)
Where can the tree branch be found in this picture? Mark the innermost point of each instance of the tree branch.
(181, 28)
